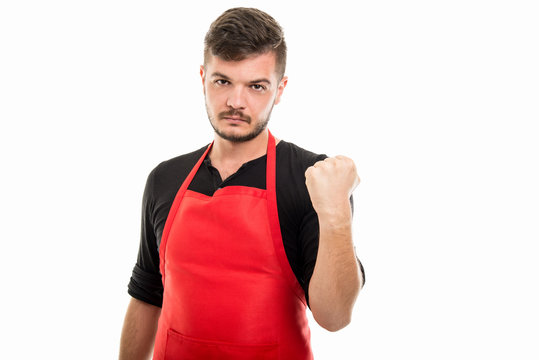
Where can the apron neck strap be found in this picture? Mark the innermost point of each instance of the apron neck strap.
(270, 164)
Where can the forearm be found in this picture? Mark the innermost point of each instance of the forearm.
(139, 329)
(336, 278)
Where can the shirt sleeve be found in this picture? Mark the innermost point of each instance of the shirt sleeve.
(145, 283)
(309, 233)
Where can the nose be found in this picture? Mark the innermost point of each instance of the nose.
(236, 98)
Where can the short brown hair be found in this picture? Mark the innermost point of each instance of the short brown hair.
(241, 32)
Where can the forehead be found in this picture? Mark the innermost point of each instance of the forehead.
(254, 67)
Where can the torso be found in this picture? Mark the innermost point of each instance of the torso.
(298, 221)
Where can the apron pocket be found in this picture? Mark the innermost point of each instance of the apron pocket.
(181, 347)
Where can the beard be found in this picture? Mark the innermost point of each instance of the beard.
(260, 126)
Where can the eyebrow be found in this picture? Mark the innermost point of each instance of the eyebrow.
(220, 75)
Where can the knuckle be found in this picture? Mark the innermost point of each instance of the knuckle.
(310, 171)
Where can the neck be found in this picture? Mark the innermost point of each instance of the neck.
(228, 156)
(225, 151)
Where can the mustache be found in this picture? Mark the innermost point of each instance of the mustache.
(234, 113)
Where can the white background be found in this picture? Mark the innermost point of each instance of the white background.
(436, 101)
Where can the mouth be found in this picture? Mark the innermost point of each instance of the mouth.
(234, 119)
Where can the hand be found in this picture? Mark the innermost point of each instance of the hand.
(330, 184)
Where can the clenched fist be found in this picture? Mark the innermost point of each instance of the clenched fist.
(330, 184)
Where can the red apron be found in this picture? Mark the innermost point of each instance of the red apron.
(229, 290)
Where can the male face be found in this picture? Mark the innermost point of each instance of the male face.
(240, 95)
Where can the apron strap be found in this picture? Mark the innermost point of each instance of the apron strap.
(275, 227)
(174, 209)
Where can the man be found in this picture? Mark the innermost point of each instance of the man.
(240, 236)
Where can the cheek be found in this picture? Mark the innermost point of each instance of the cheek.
(212, 97)
(268, 104)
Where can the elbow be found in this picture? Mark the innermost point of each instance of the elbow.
(334, 327)
(333, 323)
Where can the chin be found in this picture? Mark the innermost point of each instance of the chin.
(238, 136)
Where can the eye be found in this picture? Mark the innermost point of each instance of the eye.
(258, 87)
(221, 82)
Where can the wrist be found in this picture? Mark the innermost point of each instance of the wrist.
(336, 217)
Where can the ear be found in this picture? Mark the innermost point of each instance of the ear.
(203, 76)
(280, 89)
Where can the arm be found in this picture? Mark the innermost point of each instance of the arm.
(138, 333)
(336, 279)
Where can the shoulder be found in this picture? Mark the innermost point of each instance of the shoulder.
(292, 162)
(165, 179)
(176, 168)
(296, 157)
